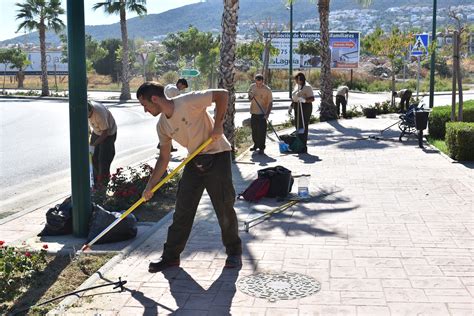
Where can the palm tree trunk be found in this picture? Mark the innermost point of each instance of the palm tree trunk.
(21, 79)
(327, 109)
(44, 66)
(125, 92)
(227, 63)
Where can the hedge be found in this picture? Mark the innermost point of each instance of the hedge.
(460, 140)
(440, 115)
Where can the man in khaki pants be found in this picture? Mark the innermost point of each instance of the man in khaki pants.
(260, 108)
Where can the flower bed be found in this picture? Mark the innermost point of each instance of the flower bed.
(125, 188)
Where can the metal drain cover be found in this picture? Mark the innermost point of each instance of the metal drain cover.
(278, 286)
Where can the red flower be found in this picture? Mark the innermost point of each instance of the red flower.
(27, 254)
(2, 242)
(45, 246)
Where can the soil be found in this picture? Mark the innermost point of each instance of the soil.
(60, 276)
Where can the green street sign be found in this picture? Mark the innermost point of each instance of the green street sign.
(190, 73)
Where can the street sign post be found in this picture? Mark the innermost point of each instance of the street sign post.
(191, 73)
(420, 48)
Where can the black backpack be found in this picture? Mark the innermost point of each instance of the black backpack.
(281, 180)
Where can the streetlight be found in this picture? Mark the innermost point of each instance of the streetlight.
(290, 81)
(433, 55)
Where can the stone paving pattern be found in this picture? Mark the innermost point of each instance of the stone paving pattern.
(388, 231)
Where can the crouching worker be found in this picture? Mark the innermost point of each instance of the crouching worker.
(405, 96)
(185, 120)
(104, 134)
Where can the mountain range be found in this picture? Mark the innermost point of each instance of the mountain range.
(206, 16)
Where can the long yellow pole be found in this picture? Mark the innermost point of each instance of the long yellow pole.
(141, 200)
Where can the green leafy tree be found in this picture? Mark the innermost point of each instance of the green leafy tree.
(94, 51)
(121, 7)
(109, 65)
(207, 63)
(392, 45)
(41, 15)
(19, 61)
(309, 48)
(6, 59)
(251, 52)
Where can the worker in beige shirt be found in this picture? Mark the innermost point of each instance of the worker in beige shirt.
(342, 96)
(302, 105)
(103, 136)
(185, 119)
(260, 108)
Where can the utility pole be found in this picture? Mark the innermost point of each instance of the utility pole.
(78, 126)
(290, 77)
(433, 56)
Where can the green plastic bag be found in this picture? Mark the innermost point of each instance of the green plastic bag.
(297, 144)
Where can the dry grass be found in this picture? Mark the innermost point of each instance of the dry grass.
(60, 276)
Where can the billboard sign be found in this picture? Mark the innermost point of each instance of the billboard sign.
(344, 48)
(53, 62)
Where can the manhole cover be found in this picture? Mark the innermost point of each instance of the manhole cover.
(278, 286)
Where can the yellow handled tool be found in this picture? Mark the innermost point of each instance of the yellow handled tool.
(141, 200)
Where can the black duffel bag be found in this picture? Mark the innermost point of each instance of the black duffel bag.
(101, 219)
(281, 180)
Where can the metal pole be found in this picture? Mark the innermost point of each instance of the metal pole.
(418, 77)
(290, 79)
(433, 56)
(81, 200)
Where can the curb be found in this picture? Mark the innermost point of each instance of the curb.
(70, 300)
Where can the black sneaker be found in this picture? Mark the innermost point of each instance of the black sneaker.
(154, 267)
(253, 148)
(233, 261)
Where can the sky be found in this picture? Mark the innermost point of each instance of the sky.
(8, 23)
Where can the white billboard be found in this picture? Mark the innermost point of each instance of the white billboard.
(53, 62)
(344, 48)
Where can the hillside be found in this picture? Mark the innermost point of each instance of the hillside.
(207, 17)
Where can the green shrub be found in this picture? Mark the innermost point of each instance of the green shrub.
(442, 114)
(460, 140)
(437, 121)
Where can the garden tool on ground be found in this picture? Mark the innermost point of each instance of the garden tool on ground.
(119, 284)
(141, 200)
(281, 144)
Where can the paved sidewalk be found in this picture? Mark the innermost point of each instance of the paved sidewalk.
(388, 231)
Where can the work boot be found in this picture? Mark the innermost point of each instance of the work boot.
(163, 264)
(233, 261)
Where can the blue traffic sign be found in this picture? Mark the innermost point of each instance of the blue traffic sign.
(420, 47)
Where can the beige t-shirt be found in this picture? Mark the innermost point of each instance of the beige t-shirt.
(171, 91)
(101, 120)
(342, 90)
(191, 124)
(263, 96)
(306, 92)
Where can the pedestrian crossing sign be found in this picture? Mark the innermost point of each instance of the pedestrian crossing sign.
(420, 47)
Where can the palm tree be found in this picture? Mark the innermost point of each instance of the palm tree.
(41, 15)
(121, 7)
(328, 110)
(227, 64)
